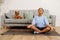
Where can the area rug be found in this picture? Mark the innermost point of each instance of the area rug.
(27, 32)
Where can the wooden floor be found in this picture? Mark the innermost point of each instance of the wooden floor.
(28, 37)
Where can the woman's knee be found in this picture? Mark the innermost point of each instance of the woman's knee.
(29, 26)
(32, 26)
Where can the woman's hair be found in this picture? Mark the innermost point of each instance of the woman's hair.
(41, 8)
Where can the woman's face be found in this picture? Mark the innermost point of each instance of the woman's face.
(40, 11)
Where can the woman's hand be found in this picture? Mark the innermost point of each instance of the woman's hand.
(52, 29)
(29, 26)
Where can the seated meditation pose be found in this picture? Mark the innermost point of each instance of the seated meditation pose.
(40, 23)
(16, 16)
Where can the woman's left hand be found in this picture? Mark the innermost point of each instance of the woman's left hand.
(52, 29)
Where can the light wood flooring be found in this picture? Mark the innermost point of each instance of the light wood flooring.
(29, 37)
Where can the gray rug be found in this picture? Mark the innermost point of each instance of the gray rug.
(12, 32)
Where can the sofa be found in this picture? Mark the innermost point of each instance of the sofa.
(7, 19)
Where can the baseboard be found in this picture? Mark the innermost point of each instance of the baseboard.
(57, 26)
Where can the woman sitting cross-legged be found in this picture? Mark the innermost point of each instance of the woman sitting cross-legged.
(40, 23)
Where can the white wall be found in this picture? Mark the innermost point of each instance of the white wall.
(52, 5)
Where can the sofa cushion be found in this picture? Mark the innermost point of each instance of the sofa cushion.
(7, 15)
(29, 21)
(50, 21)
(46, 13)
(14, 21)
(21, 13)
(22, 21)
(28, 15)
(11, 14)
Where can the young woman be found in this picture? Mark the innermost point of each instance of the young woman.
(40, 23)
